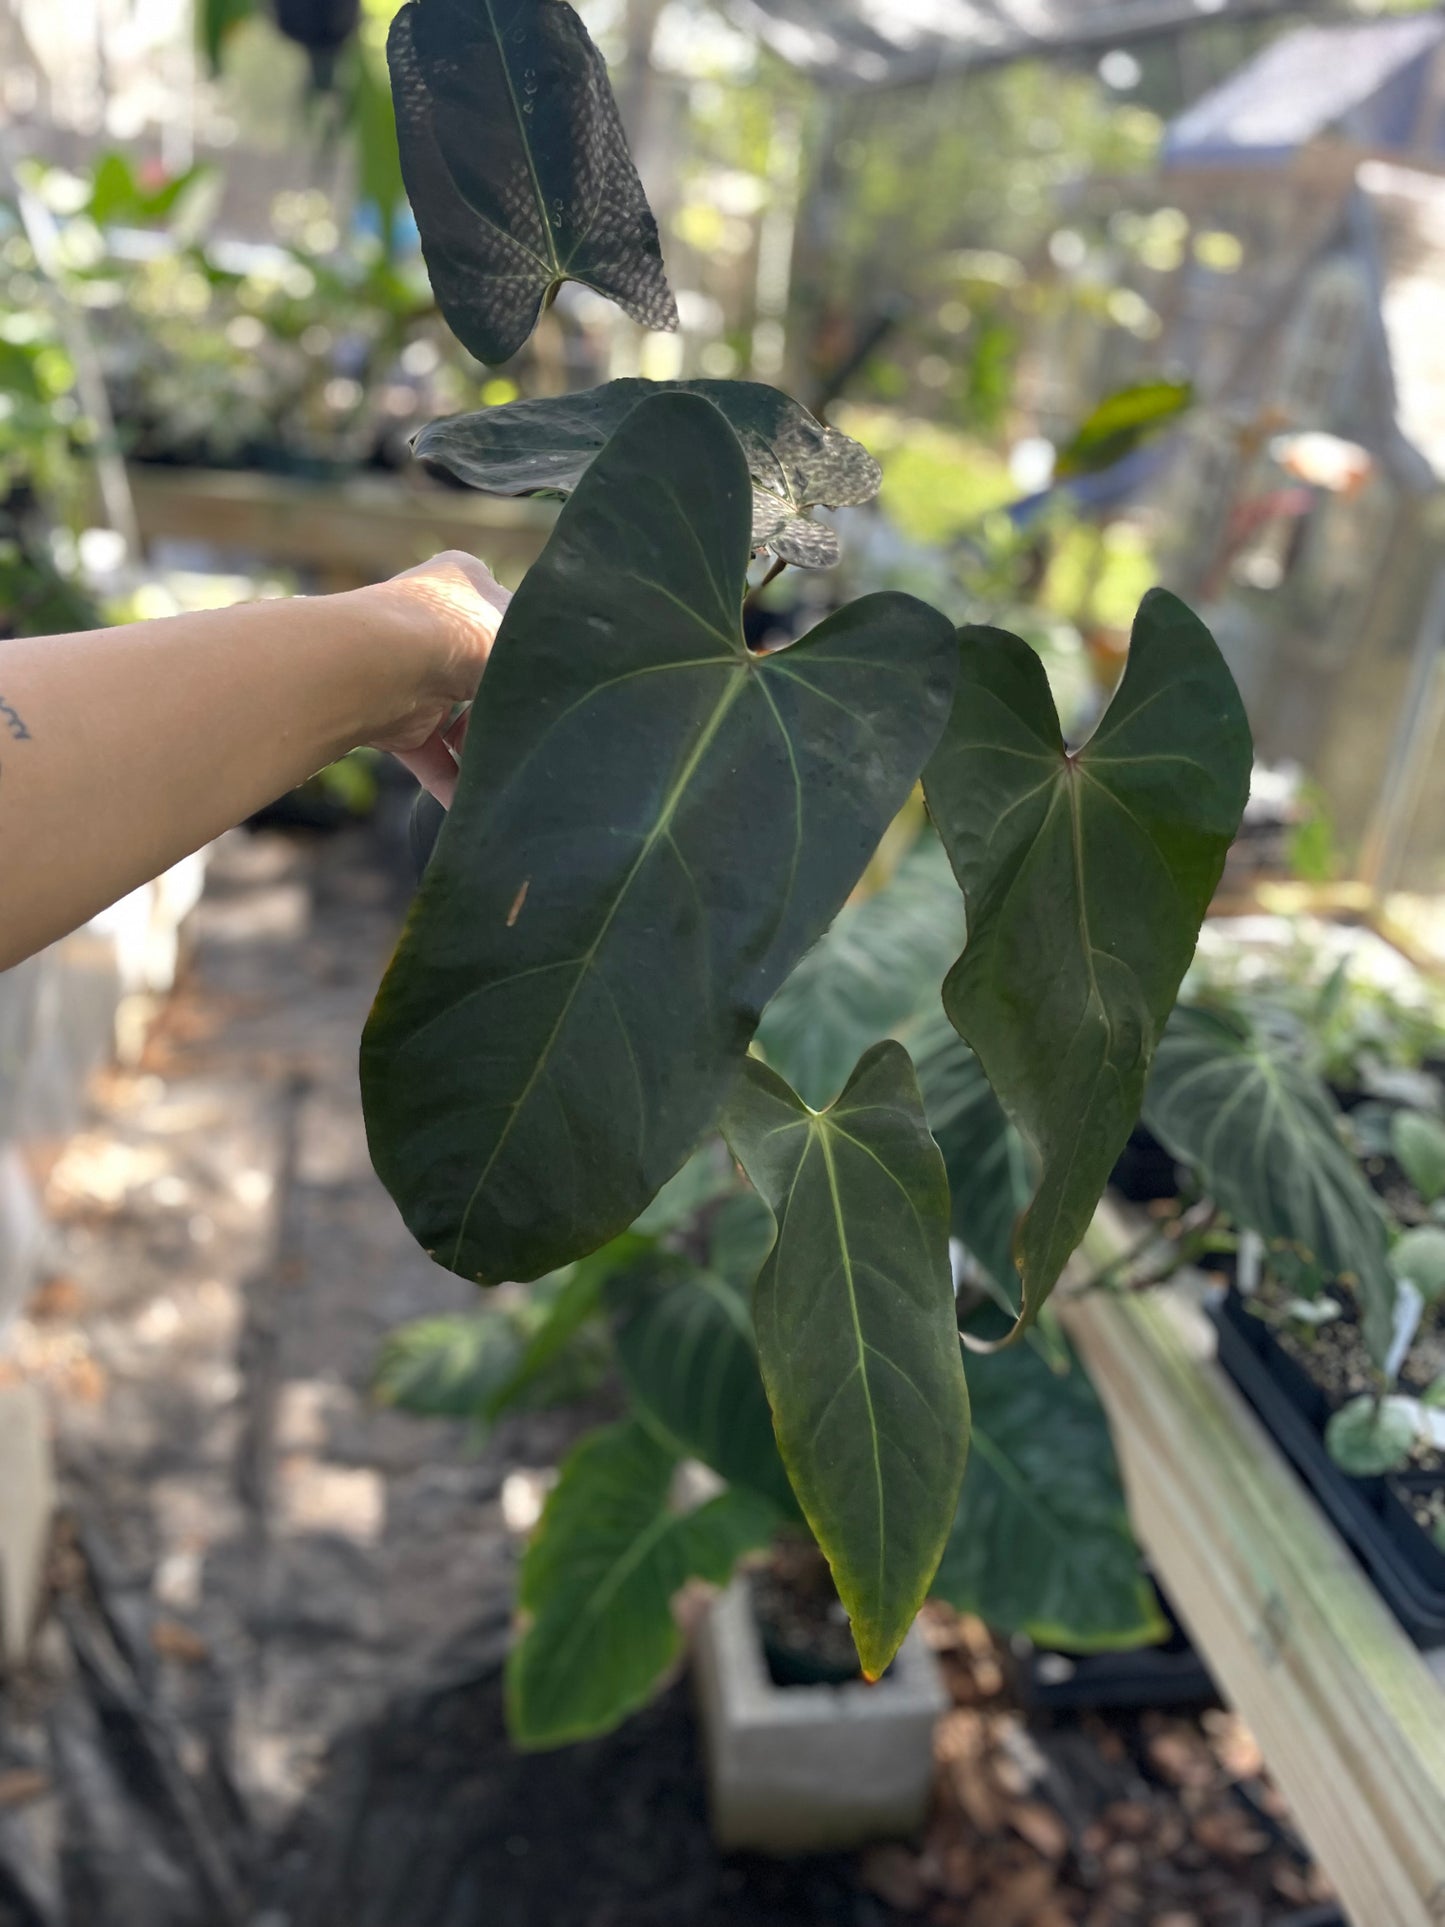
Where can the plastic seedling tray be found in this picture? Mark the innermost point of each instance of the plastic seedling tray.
(1407, 1567)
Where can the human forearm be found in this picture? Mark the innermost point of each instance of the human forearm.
(123, 750)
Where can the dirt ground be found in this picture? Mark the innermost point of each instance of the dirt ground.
(266, 1691)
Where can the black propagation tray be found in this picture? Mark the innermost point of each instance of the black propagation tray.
(1407, 1567)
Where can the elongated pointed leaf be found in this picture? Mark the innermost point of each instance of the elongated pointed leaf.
(598, 1581)
(475, 1365)
(1261, 1134)
(794, 461)
(1041, 1541)
(651, 826)
(1120, 423)
(1086, 878)
(517, 168)
(856, 1330)
(687, 1354)
(448, 1367)
(1418, 1142)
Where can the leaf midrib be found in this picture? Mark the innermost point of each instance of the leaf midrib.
(738, 681)
(819, 1132)
(556, 265)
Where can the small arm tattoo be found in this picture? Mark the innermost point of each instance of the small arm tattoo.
(14, 722)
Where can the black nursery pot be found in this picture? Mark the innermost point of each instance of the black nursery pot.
(1405, 1529)
(1407, 1567)
(321, 26)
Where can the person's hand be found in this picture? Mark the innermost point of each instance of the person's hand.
(442, 619)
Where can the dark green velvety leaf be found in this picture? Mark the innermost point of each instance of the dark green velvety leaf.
(740, 1236)
(476, 1365)
(517, 168)
(448, 1367)
(572, 1303)
(856, 1331)
(1261, 1134)
(708, 1176)
(1418, 1142)
(1041, 1542)
(1120, 423)
(685, 1346)
(882, 961)
(794, 461)
(1086, 877)
(651, 826)
(598, 1581)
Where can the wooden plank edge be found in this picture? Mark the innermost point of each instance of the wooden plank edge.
(1347, 1710)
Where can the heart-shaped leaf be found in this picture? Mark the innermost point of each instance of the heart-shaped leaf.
(1419, 1255)
(517, 168)
(856, 1330)
(651, 826)
(1370, 1436)
(448, 1367)
(1261, 1134)
(1086, 877)
(523, 447)
(598, 1580)
(685, 1346)
(476, 1365)
(1418, 1142)
(1041, 1542)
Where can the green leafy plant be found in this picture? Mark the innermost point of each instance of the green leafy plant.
(1039, 1542)
(1418, 1141)
(1264, 1138)
(654, 823)
(1121, 423)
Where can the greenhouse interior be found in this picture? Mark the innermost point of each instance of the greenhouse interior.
(794, 1277)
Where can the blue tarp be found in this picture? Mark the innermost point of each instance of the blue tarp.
(1364, 82)
(871, 43)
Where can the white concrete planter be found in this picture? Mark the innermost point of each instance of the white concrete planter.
(794, 1769)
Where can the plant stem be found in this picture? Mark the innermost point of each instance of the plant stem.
(750, 599)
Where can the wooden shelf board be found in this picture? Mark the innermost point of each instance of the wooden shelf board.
(1349, 1713)
(356, 530)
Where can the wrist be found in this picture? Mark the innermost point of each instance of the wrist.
(379, 643)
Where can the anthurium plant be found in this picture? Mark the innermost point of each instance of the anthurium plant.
(654, 827)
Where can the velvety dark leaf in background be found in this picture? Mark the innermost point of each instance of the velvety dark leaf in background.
(1041, 1542)
(652, 825)
(685, 1345)
(795, 461)
(1262, 1135)
(877, 972)
(517, 168)
(598, 1581)
(1086, 878)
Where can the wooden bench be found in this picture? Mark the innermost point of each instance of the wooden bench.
(1350, 1715)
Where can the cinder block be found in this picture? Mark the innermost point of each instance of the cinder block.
(27, 1500)
(795, 1769)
